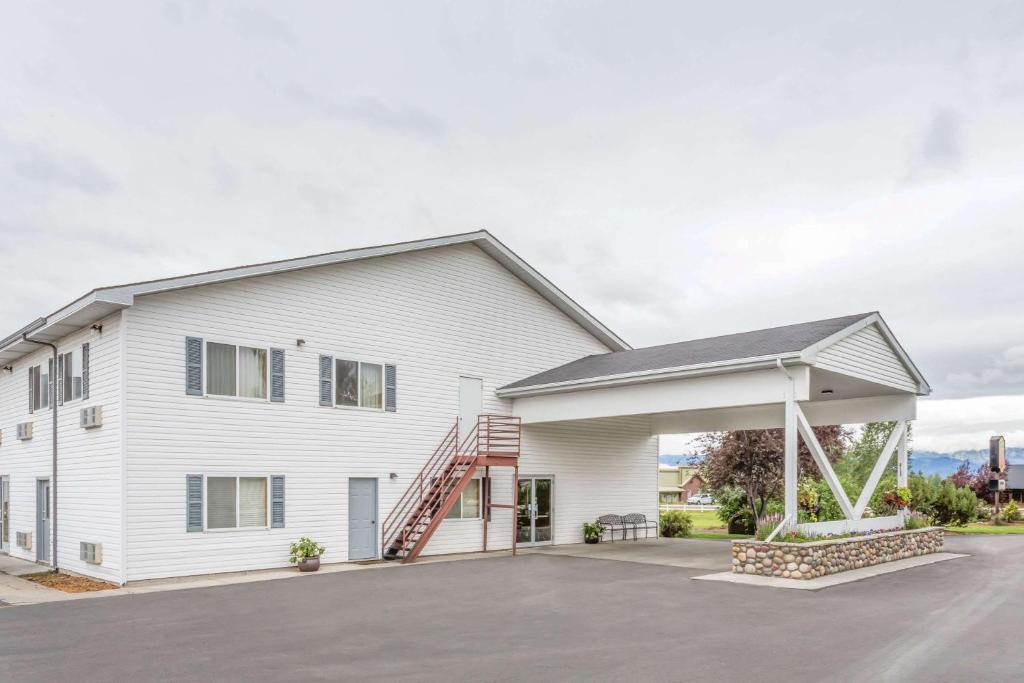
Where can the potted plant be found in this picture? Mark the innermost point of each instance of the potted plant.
(305, 553)
(591, 532)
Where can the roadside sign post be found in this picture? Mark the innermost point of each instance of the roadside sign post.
(997, 464)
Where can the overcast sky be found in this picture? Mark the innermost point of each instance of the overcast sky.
(682, 170)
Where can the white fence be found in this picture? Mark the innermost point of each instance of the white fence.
(687, 507)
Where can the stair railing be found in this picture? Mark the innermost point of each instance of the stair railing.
(420, 486)
(491, 435)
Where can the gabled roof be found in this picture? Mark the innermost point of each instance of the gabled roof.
(713, 354)
(101, 302)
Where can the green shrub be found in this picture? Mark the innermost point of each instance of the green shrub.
(731, 500)
(955, 506)
(676, 524)
(592, 531)
(923, 493)
(1011, 512)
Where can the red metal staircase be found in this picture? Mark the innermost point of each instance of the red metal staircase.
(493, 441)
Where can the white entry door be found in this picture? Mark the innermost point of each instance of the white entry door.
(471, 404)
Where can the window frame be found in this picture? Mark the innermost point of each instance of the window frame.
(41, 389)
(238, 504)
(480, 497)
(359, 382)
(235, 397)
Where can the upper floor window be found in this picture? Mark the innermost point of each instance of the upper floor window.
(236, 371)
(39, 385)
(71, 375)
(358, 384)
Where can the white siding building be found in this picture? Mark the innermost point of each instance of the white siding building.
(452, 316)
(206, 422)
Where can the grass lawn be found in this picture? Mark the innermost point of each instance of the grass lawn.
(986, 528)
(708, 519)
(706, 524)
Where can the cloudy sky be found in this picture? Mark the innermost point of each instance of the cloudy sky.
(682, 170)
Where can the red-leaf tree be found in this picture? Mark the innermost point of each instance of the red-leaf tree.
(755, 461)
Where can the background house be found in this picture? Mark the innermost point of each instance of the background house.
(1015, 482)
(676, 483)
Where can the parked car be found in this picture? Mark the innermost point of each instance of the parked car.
(701, 499)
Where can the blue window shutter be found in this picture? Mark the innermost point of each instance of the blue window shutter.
(277, 501)
(60, 380)
(31, 388)
(194, 502)
(193, 366)
(390, 388)
(326, 385)
(277, 375)
(85, 371)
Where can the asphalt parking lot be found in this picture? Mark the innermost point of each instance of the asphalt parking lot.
(541, 617)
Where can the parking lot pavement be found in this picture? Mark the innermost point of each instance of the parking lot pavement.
(537, 618)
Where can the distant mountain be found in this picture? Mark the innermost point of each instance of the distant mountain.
(942, 465)
(925, 462)
(945, 464)
(676, 460)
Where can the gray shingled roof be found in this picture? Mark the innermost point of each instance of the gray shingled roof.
(773, 341)
(1015, 477)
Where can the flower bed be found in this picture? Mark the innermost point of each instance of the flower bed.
(817, 558)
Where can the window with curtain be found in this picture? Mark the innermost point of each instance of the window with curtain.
(252, 372)
(371, 385)
(236, 502)
(468, 504)
(358, 384)
(252, 501)
(76, 375)
(236, 371)
(221, 503)
(220, 369)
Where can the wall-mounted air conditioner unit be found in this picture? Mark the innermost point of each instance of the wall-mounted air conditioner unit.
(91, 553)
(24, 539)
(91, 417)
(24, 431)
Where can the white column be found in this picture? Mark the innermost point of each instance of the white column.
(901, 467)
(901, 464)
(791, 461)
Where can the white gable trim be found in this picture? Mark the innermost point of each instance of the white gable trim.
(99, 303)
(810, 354)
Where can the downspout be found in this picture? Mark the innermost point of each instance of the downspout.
(53, 477)
(780, 366)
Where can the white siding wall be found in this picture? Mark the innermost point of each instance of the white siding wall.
(867, 355)
(89, 474)
(607, 466)
(436, 314)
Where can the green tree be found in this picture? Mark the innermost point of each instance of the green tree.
(754, 461)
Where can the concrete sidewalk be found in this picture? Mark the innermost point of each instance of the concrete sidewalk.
(15, 591)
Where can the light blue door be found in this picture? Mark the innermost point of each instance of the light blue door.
(43, 520)
(362, 519)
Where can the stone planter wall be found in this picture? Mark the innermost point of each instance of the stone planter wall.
(818, 558)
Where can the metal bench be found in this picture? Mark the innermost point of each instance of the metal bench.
(639, 521)
(612, 524)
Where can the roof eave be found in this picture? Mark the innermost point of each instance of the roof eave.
(658, 375)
